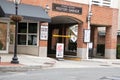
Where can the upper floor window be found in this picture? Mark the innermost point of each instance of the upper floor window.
(106, 3)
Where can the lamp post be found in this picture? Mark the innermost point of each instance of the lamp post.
(15, 18)
(89, 19)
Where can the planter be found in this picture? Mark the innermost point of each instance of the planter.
(16, 18)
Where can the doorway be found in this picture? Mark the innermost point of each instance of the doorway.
(62, 33)
(63, 29)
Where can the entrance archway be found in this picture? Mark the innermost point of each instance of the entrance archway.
(63, 29)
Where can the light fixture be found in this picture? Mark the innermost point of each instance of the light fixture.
(47, 8)
(17, 1)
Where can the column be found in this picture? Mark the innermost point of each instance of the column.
(43, 40)
(110, 43)
(111, 37)
(81, 46)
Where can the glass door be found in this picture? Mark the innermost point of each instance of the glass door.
(4, 40)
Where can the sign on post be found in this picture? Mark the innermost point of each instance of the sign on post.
(44, 33)
(90, 45)
(87, 35)
(59, 50)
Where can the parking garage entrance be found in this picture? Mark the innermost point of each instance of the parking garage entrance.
(63, 30)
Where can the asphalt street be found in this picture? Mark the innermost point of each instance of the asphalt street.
(64, 74)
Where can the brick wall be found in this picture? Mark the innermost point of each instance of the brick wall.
(102, 16)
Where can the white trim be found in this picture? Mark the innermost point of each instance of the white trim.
(27, 34)
(111, 3)
(38, 31)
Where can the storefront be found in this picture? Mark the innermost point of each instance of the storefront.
(28, 29)
(64, 16)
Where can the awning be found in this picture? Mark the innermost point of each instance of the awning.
(1, 12)
(29, 12)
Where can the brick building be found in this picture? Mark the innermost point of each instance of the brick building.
(66, 17)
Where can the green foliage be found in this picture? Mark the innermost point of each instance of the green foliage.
(118, 51)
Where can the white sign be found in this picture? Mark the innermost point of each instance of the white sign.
(73, 38)
(87, 35)
(59, 50)
(90, 45)
(74, 29)
(44, 33)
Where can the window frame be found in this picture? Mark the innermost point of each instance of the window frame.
(27, 34)
(104, 3)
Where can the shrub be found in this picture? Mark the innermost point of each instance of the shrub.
(118, 51)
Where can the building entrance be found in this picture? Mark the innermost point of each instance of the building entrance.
(62, 33)
(63, 29)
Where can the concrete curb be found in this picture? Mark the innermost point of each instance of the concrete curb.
(26, 67)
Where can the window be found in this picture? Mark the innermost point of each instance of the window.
(27, 33)
(32, 34)
(12, 33)
(32, 40)
(22, 39)
(96, 2)
(22, 28)
(106, 3)
(32, 28)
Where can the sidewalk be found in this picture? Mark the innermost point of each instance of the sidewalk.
(90, 63)
(28, 62)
